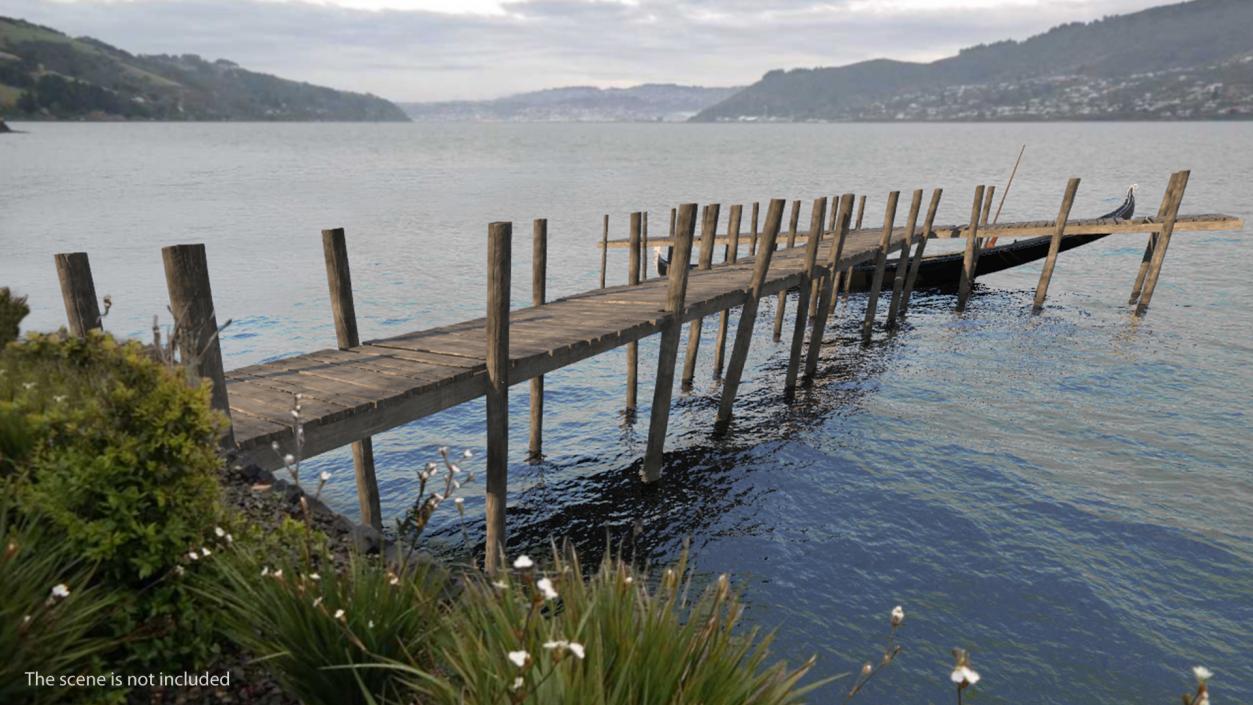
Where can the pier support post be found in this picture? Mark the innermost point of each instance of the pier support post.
(916, 262)
(668, 353)
(880, 264)
(781, 304)
(816, 218)
(1147, 259)
(968, 258)
(643, 258)
(633, 349)
(499, 241)
(539, 291)
(604, 251)
(839, 232)
(343, 310)
(748, 314)
(902, 262)
(709, 230)
(195, 321)
(752, 242)
(731, 256)
(1163, 241)
(78, 290)
(848, 273)
(986, 213)
(820, 279)
(1059, 231)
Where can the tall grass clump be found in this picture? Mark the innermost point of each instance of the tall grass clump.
(13, 309)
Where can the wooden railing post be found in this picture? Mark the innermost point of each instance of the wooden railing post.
(885, 243)
(195, 321)
(816, 219)
(848, 273)
(78, 290)
(752, 243)
(1046, 273)
(644, 251)
(604, 251)
(539, 292)
(968, 258)
(1162, 242)
(633, 349)
(709, 230)
(667, 355)
(781, 304)
(748, 314)
(339, 282)
(730, 256)
(902, 262)
(916, 262)
(839, 232)
(499, 241)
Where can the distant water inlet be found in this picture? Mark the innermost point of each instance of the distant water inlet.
(305, 405)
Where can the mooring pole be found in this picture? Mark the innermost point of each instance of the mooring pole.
(752, 243)
(880, 264)
(848, 273)
(1147, 259)
(709, 230)
(902, 262)
(731, 257)
(604, 251)
(816, 218)
(968, 258)
(339, 283)
(78, 290)
(195, 321)
(1163, 242)
(633, 349)
(916, 262)
(499, 242)
(1059, 231)
(539, 293)
(839, 225)
(643, 258)
(781, 304)
(668, 352)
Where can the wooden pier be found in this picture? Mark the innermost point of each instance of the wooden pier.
(354, 390)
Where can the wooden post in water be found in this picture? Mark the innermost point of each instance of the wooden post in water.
(731, 256)
(781, 304)
(752, 244)
(709, 230)
(820, 279)
(839, 232)
(880, 264)
(1163, 242)
(916, 262)
(667, 355)
(968, 258)
(902, 262)
(1147, 259)
(196, 323)
(604, 251)
(643, 258)
(817, 216)
(633, 349)
(539, 293)
(499, 243)
(1046, 273)
(748, 314)
(848, 273)
(78, 290)
(339, 283)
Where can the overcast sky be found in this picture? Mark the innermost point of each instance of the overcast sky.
(452, 49)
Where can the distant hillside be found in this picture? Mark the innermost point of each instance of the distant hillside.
(650, 102)
(46, 74)
(1188, 60)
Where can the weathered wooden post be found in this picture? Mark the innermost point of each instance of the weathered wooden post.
(902, 262)
(880, 264)
(731, 256)
(752, 243)
(839, 232)
(604, 251)
(539, 292)
(848, 273)
(916, 262)
(748, 314)
(709, 230)
(668, 352)
(78, 290)
(986, 213)
(1147, 259)
(195, 321)
(1163, 242)
(644, 251)
(499, 243)
(339, 283)
(633, 349)
(781, 304)
(817, 216)
(1059, 231)
(968, 258)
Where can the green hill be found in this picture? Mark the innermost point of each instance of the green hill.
(45, 74)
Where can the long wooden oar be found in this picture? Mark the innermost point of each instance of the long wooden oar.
(1008, 184)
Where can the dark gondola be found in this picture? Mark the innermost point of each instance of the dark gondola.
(944, 271)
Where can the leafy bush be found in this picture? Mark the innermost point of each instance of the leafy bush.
(12, 310)
(122, 467)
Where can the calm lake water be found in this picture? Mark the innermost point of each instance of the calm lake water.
(1068, 496)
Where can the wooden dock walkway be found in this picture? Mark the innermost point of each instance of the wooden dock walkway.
(356, 390)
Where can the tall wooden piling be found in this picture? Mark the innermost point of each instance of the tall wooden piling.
(902, 262)
(539, 293)
(968, 258)
(821, 276)
(195, 320)
(748, 314)
(643, 258)
(916, 262)
(1163, 242)
(752, 243)
(781, 305)
(344, 311)
(709, 230)
(1046, 273)
(839, 230)
(668, 351)
(880, 264)
(604, 251)
(848, 273)
(499, 243)
(78, 290)
(816, 218)
(633, 349)
(731, 256)
(1162, 211)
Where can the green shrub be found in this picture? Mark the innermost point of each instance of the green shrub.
(12, 310)
(122, 467)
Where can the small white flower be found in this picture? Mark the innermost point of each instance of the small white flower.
(278, 574)
(964, 675)
(628, 580)
(519, 658)
(289, 459)
(28, 385)
(274, 446)
(576, 649)
(459, 502)
(193, 555)
(518, 683)
(393, 580)
(546, 588)
(369, 624)
(230, 539)
(295, 413)
(26, 619)
(219, 531)
(468, 454)
(325, 476)
(204, 551)
(317, 602)
(1202, 674)
(523, 563)
(265, 570)
(455, 468)
(501, 585)
(314, 576)
(898, 615)
(179, 570)
(339, 614)
(59, 398)
(60, 591)
(561, 644)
